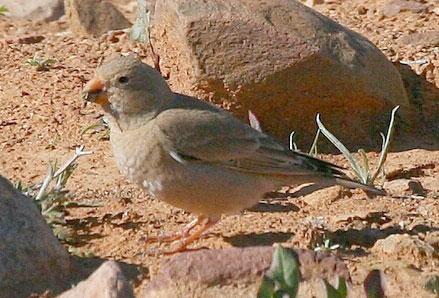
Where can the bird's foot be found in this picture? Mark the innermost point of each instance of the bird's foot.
(173, 236)
(182, 239)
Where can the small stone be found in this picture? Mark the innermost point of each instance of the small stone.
(35, 10)
(403, 187)
(394, 7)
(90, 17)
(362, 10)
(406, 247)
(426, 39)
(107, 281)
(312, 3)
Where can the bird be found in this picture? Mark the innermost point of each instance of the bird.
(192, 154)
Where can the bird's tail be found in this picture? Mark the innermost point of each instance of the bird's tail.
(354, 184)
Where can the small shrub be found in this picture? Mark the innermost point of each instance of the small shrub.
(362, 168)
(53, 201)
(3, 10)
(40, 64)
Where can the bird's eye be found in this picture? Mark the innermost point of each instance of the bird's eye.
(123, 79)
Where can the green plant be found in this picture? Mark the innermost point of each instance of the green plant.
(312, 151)
(3, 10)
(340, 292)
(327, 246)
(53, 201)
(293, 145)
(283, 277)
(362, 168)
(40, 64)
(432, 285)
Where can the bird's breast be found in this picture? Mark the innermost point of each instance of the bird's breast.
(139, 157)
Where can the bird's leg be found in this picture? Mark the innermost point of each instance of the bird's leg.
(205, 223)
(170, 237)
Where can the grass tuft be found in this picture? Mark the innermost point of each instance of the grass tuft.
(40, 64)
(361, 167)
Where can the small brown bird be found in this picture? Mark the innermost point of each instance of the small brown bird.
(192, 154)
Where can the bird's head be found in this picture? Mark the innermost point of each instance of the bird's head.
(128, 89)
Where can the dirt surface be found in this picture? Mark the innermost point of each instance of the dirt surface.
(42, 116)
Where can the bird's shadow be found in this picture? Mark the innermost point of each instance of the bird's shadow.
(367, 237)
(253, 239)
(274, 207)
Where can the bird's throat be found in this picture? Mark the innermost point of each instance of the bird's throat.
(125, 122)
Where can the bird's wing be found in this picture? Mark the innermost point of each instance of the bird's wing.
(217, 137)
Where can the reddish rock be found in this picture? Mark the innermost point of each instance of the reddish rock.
(193, 272)
(406, 247)
(283, 61)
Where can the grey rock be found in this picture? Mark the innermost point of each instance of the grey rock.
(94, 17)
(394, 7)
(36, 10)
(31, 258)
(430, 38)
(107, 281)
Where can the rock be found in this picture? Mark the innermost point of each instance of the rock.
(362, 10)
(394, 7)
(425, 39)
(312, 3)
(398, 279)
(206, 273)
(39, 10)
(409, 248)
(224, 51)
(432, 238)
(107, 281)
(431, 185)
(90, 17)
(404, 187)
(31, 258)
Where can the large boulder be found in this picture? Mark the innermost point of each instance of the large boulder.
(237, 272)
(94, 17)
(283, 61)
(36, 10)
(31, 258)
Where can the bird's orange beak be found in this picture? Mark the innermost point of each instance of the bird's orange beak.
(94, 91)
